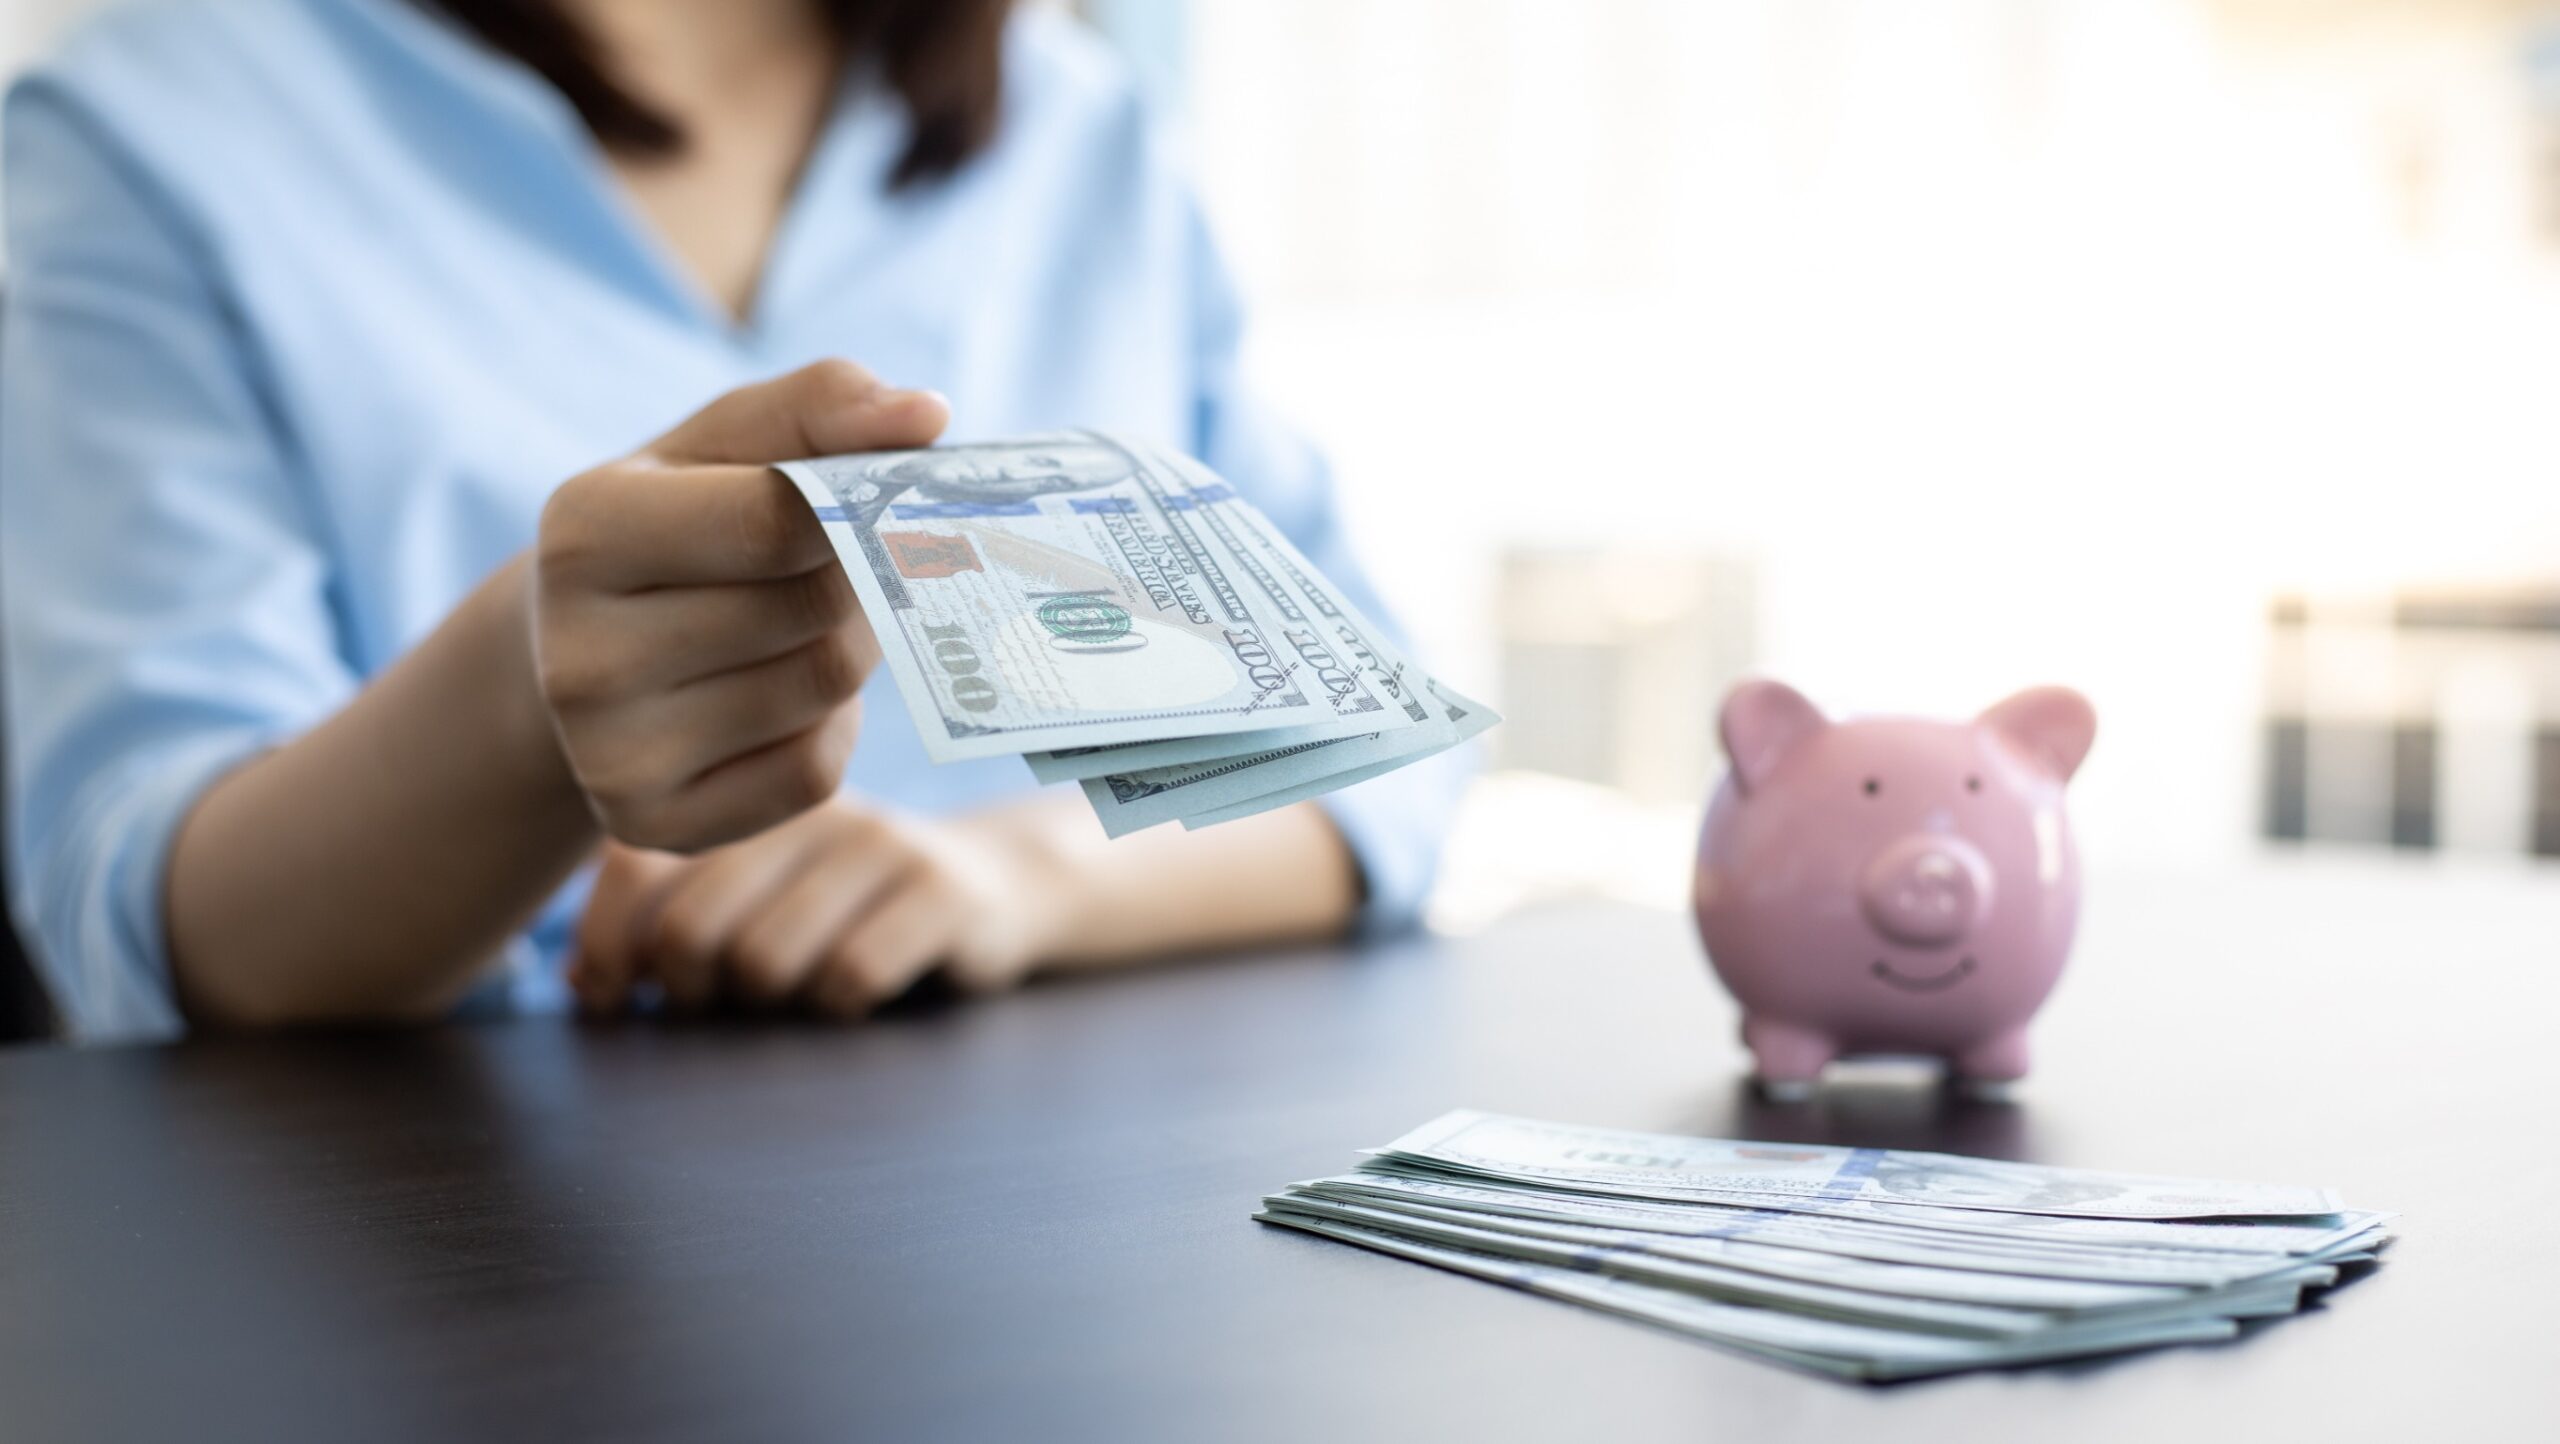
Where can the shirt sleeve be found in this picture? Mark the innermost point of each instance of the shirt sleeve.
(1394, 823)
(165, 599)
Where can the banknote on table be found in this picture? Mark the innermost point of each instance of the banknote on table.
(1828, 1346)
(2114, 1274)
(1110, 611)
(1660, 1165)
(2010, 1242)
(1817, 1256)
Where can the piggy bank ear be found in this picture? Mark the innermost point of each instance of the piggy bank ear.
(1761, 721)
(2052, 725)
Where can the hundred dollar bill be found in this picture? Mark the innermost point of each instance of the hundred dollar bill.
(1467, 717)
(1062, 591)
(2047, 1300)
(1075, 764)
(1808, 1256)
(1223, 789)
(1317, 622)
(1807, 1233)
(1851, 1237)
(1595, 1250)
(2154, 1257)
(1831, 1346)
(1854, 1289)
(1667, 1166)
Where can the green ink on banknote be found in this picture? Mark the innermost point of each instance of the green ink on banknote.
(1086, 619)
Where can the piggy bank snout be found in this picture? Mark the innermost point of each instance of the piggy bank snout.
(1926, 890)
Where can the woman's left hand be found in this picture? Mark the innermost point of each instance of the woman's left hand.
(842, 908)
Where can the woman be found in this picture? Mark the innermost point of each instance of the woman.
(323, 683)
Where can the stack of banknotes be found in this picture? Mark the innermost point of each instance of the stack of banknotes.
(1861, 1263)
(1121, 618)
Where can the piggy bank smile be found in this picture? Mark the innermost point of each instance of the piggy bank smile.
(1911, 982)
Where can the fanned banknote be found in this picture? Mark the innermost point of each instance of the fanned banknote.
(1667, 1166)
(1223, 789)
(1837, 1347)
(1811, 1257)
(1123, 618)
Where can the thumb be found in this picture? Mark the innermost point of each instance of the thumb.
(819, 410)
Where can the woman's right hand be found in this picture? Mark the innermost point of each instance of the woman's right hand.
(698, 647)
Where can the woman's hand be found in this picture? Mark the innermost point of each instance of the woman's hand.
(698, 648)
(842, 908)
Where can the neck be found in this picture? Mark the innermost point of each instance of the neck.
(680, 53)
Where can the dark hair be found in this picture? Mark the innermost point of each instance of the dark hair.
(945, 58)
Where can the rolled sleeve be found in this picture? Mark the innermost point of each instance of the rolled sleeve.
(1395, 823)
(94, 898)
(164, 594)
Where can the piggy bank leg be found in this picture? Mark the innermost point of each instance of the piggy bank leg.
(1788, 1059)
(1990, 1069)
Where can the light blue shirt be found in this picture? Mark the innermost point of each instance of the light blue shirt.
(310, 304)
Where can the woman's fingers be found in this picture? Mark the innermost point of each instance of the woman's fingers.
(882, 954)
(688, 627)
(746, 795)
(818, 410)
(656, 750)
(686, 634)
(658, 640)
(776, 952)
(842, 908)
(697, 918)
(606, 957)
(631, 527)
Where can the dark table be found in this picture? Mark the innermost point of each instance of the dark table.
(1027, 1219)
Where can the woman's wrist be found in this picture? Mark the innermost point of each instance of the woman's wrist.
(1284, 877)
(1051, 850)
(527, 740)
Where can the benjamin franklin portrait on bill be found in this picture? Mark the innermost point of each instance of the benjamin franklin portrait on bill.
(986, 475)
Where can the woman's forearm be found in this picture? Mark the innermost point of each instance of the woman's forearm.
(698, 654)
(1285, 876)
(371, 868)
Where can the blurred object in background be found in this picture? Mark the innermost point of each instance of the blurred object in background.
(2542, 70)
(2012, 341)
(2424, 720)
(1522, 839)
(1614, 662)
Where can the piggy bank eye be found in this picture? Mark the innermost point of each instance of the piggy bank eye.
(1973, 784)
(1874, 787)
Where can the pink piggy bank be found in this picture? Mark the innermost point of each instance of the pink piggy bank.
(1891, 885)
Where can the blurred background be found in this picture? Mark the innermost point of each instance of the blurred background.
(2195, 353)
